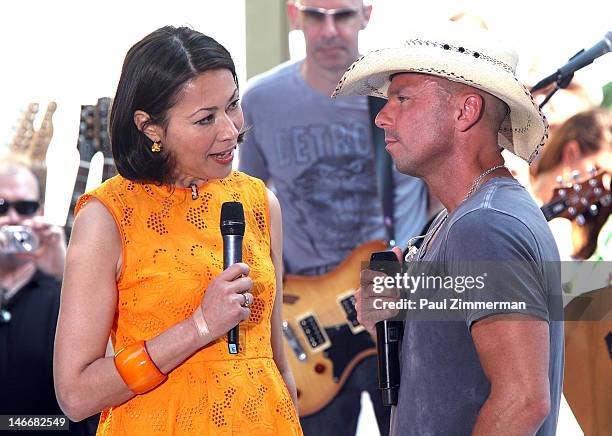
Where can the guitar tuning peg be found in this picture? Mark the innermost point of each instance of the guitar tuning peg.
(580, 220)
(593, 210)
(591, 170)
(576, 175)
(572, 211)
(577, 187)
(559, 180)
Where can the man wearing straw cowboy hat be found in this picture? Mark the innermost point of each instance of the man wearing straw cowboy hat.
(453, 103)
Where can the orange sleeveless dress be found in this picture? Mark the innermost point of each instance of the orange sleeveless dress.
(172, 249)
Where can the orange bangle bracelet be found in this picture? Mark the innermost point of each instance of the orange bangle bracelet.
(137, 369)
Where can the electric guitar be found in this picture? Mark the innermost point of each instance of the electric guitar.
(323, 338)
(588, 326)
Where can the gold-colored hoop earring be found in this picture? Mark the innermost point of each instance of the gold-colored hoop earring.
(156, 147)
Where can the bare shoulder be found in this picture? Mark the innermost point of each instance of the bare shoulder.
(95, 233)
(273, 203)
(276, 229)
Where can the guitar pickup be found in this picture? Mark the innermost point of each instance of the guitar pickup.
(293, 341)
(316, 336)
(347, 304)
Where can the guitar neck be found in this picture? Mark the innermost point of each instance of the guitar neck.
(80, 185)
(553, 209)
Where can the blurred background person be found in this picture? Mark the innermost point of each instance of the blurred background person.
(321, 158)
(32, 256)
(582, 142)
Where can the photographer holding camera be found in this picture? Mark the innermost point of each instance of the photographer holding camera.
(32, 256)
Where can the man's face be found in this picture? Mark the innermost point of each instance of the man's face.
(331, 39)
(18, 191)
(417, 121)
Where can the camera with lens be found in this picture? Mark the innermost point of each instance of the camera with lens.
(17, 239)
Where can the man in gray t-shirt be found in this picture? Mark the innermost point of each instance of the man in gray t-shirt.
(489, 360)
(318, 156)
(496, 232)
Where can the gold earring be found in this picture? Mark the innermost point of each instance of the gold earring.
(156, 147)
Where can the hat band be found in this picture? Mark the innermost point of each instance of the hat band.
(462, 50)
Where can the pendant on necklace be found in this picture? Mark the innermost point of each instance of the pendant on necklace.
(194, 191)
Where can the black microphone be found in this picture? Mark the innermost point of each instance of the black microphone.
(232, 230)
(388, 336)
(579, 60)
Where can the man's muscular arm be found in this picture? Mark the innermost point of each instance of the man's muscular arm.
(514, 353)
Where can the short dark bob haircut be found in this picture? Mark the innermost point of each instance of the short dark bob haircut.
(154, 72)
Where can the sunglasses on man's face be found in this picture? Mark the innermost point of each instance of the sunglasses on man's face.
(22, 207)
(317, 15)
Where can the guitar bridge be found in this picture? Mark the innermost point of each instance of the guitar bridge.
(293, 342)
(316, 336)
(347, 303)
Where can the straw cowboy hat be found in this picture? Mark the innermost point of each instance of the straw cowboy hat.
(467, 55)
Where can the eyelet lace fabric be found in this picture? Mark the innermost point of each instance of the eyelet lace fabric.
(172, 249)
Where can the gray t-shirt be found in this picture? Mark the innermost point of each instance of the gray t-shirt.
(317, 154)
(443, 385)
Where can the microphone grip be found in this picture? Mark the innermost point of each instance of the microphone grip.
(388, 336)
(232, 253)
(388, 339)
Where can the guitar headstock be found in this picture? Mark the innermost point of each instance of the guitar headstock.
(86, 143)
(41, 139)
(581, 197)
(25, 130)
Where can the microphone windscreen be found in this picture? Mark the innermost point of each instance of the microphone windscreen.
(232, 218)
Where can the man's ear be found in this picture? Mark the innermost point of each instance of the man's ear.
(470, 111)
(293, 14)
(152, 131)
(367, 11)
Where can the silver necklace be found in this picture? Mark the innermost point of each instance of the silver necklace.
(479, 178)
(412, 250)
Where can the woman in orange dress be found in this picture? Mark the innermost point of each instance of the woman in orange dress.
(145, 263)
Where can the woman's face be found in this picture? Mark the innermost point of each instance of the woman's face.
(203, 127)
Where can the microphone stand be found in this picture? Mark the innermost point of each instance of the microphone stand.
(561, 81)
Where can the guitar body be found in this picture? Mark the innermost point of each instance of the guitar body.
(323, 339)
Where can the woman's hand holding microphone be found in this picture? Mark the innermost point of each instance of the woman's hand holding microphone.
(226, 303)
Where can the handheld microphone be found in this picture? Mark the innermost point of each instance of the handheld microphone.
(388, 336)
(232, 230)
(579, 60)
